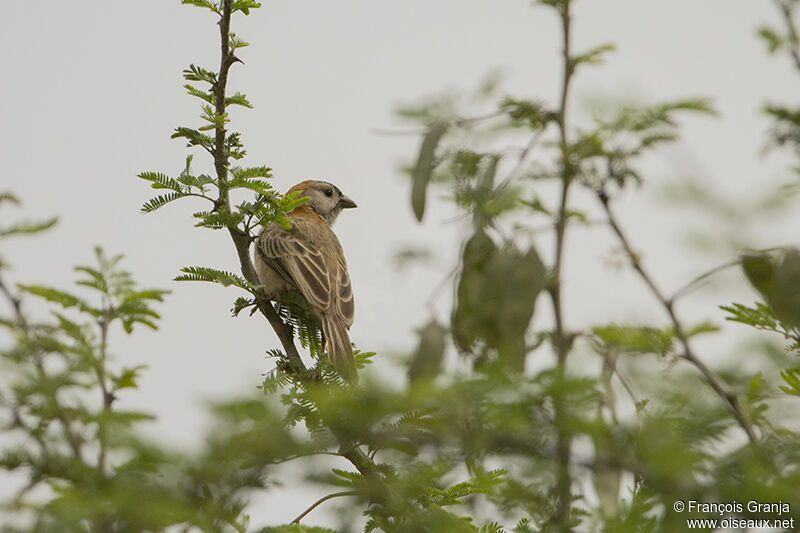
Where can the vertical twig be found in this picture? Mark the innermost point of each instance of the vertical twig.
(242, 242)
(108, 397)
(794, 39)
(562, 340)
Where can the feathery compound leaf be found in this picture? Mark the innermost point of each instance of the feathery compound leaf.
(8, 197)
(62, 298)
(160, 181)
(771, 38)
(215, 120)
(255, 185)
(792, 379)
(236, 43)
(28, 228)
(238, 99)
(160, 201)
(217, 219)
(526, 112)
(193, 137)
(347, 478)
(203, 95)
(252, 172)
(241, 304)
(224, 278)
(245, 6)
(207, 4)
(424, 168)
(195, 73)
(593, 56)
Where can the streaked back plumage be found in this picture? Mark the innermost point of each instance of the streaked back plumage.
(310, 259)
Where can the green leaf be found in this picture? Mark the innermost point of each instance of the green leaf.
(772, 39)
(215, 120)
(28, 228)
(636, 339)
(427, 360)
(760, 316)
(128, 378)
(245, 6)
(252, 172)
(256, 185)
(236, 43)
(785, 298)
(203, 95)
(160, 201)
(62, 298)
(238, 99)
(8, 197)
(218, 219)
(593, 56)
(207, 4)
(496, 296)
(224, 278)
(194, 137)
(792, 379)
(526, 112)
(160, 181)
(347, 478)
(422, 171)
(241, 304)
(760, 271)
(195, 73)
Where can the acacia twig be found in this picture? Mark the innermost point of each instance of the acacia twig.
(794, 39)
(242, 242)
(716, 382)
(323, 500)
(562, 341)
(691, 285)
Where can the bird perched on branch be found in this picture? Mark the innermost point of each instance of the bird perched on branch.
(309, 258)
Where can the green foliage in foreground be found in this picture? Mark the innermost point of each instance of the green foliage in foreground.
(605, 432)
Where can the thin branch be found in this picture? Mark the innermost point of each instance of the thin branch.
(108, 397)
(16, 305)
(411, 132)
(433, 297)
(379, 492)
(302, 455)
(693, 284)
(715, 381)
(794, 39)
(460, 122)
(535, 138)
(562, 340)
(323, 500)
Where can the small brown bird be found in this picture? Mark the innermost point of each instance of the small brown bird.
(309, 258)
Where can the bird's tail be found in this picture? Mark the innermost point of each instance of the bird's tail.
(340, 351)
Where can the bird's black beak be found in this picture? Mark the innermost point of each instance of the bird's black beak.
(346, 203)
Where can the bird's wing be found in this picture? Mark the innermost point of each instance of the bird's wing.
(298, 257)
(345, 306)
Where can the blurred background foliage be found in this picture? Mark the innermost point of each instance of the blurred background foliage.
(541, 428)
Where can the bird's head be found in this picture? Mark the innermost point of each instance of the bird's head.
(324, 198)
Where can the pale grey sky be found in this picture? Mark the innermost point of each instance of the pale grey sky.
(92, 90)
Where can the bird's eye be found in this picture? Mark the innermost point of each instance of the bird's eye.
(328, 192)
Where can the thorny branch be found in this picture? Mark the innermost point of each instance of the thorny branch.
(242, 242)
